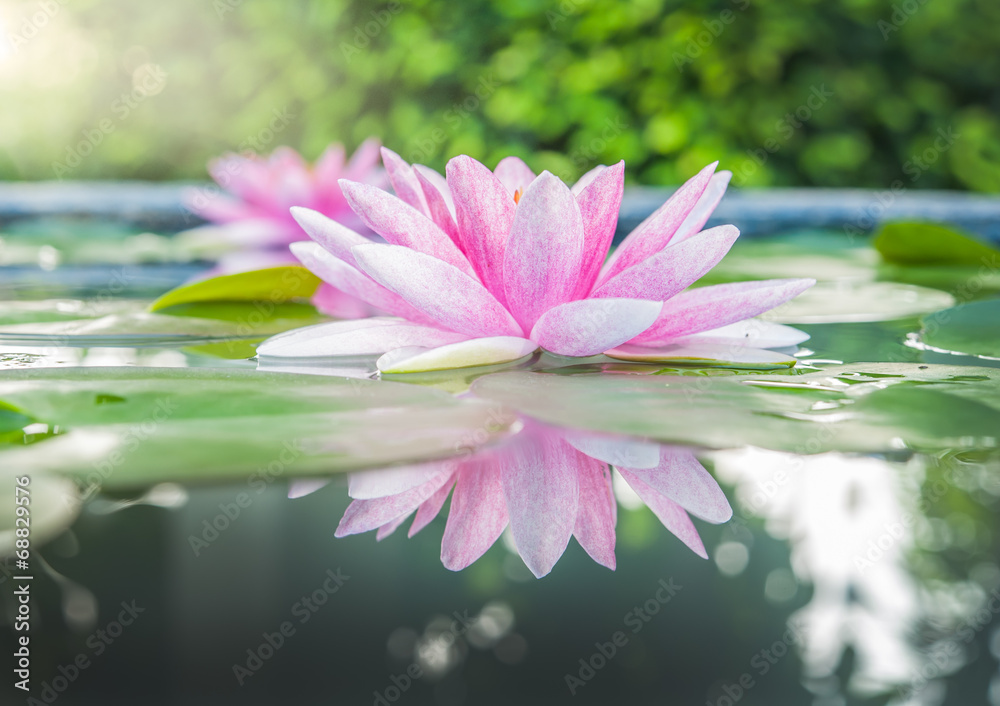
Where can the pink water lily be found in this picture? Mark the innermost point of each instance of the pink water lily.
(251, 217)
(487, 266)
(548, 485)
(257, 192)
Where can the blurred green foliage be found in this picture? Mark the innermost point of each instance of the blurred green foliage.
(801, 92)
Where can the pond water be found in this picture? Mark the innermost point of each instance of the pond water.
(187, 495)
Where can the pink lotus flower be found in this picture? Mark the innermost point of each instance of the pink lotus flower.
(486, 267)
(258, 192)
(252, 213)
(547, 484)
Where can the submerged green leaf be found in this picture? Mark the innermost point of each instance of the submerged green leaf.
(12, 419)
(273, 284)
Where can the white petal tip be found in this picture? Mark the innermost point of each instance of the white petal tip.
(465, 354)
(306, 486)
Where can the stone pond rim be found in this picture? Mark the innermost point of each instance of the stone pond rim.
(157, 206)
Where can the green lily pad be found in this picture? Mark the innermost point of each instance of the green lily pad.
(859, 301)
(967, 329)
(55, 323)
(820, 255)
(930, 244)
(40, 311)
(865, 407)
(273, 284)
(215, 425)
(830, 257)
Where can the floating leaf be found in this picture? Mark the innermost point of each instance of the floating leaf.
(706, 355)
(858, 301)
(191, 425)
(967, 329)
(128, 323)
(832, 257)
(930, 244)
(40, 311)
(273, 284)
(820, 255)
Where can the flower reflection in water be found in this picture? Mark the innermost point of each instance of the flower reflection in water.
(548, 485)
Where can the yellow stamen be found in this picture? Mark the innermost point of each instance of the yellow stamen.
(517, 195)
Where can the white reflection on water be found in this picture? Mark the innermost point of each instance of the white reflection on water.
(860, 535)
(850, 522)
(446, 639)
(732, 558)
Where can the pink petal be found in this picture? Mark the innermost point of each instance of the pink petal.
(484, 211)
(592, 326)
(373, 336)
(218, 207)
(712, 307)
(584, 181)
(390, 527)
(681, 478)
(439, 203)
(542, 262)
(438, 184)
(673, 269)
(247, 177)
(363, 161)
(478, 513)
(702, 210)
(331, 301)
(383, 482)
(442, 292)
(615, 450)
(354, 282)
(600, 201)
(330, 165)
(404, 181)
(595, 519)
(292, 180)
(672, 515)
(401, 224)
(335, 238)
(328, 169)
(430, 508)
(514, 174)
(285, 159)
(540, 484)
(366, 515)
(653, 234)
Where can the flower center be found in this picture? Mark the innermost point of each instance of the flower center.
(517, 195)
